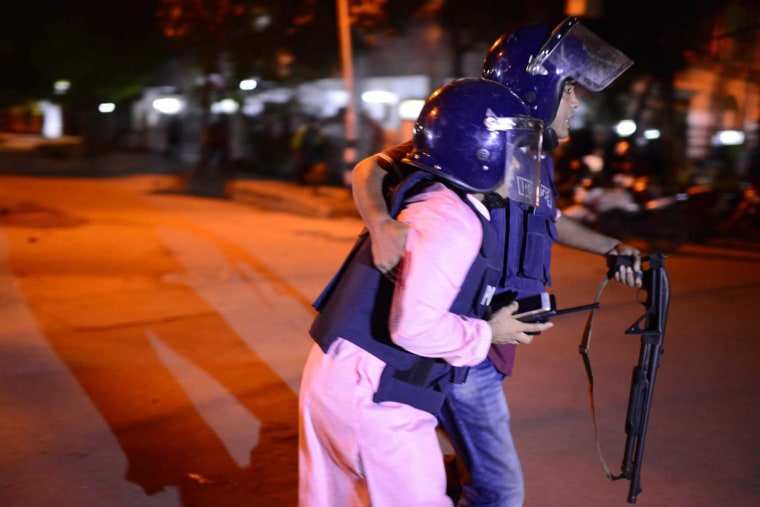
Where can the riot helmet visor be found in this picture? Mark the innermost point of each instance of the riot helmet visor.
(578, 53)
(522, 171)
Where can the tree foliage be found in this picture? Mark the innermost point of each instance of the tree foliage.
(277, 39)
(106, 50)
(664, 34)
(474, 24)
(273, 40)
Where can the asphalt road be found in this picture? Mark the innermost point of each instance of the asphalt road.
(152, 343)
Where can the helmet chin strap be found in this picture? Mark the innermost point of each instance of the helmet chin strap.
(551, 140)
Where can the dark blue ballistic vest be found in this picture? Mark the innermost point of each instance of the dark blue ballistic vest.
(530, 233)
(356, 303)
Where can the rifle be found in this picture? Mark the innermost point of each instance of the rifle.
(657, 286)
(651, 327)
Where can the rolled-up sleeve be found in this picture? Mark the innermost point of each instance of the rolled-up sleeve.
(444, 239)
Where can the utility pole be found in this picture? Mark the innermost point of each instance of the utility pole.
(346, 57)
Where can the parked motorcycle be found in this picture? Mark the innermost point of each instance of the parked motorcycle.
(744, 221)
(629, 209)
(714, 213)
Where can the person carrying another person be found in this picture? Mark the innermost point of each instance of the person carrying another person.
(542, 66)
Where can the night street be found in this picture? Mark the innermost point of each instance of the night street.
(152, 346)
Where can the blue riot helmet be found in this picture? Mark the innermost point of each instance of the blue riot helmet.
(475, 133)
(536, 63)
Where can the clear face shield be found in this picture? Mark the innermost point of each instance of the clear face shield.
(580, 54)
(522, 171)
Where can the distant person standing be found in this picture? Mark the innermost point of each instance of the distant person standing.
(174, 138)
(218, 144)
(307, 146)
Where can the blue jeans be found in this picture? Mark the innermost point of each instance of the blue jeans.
(476, 418)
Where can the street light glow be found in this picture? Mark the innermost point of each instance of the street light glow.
(651, 134)
(225, 106)
(168, 105)
(61, 86)
(728, 138)
(379, 97)
(625, 128)
(248, 84)
(410, 109)
(107, 107)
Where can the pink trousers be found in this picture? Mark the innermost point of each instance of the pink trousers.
(354, 452)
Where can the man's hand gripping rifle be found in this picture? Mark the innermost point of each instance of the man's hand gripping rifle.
(651, 327)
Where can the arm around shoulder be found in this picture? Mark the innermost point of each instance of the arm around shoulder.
(367, 189)
(388, 235)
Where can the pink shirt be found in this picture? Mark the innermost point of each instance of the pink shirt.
(443, 241)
